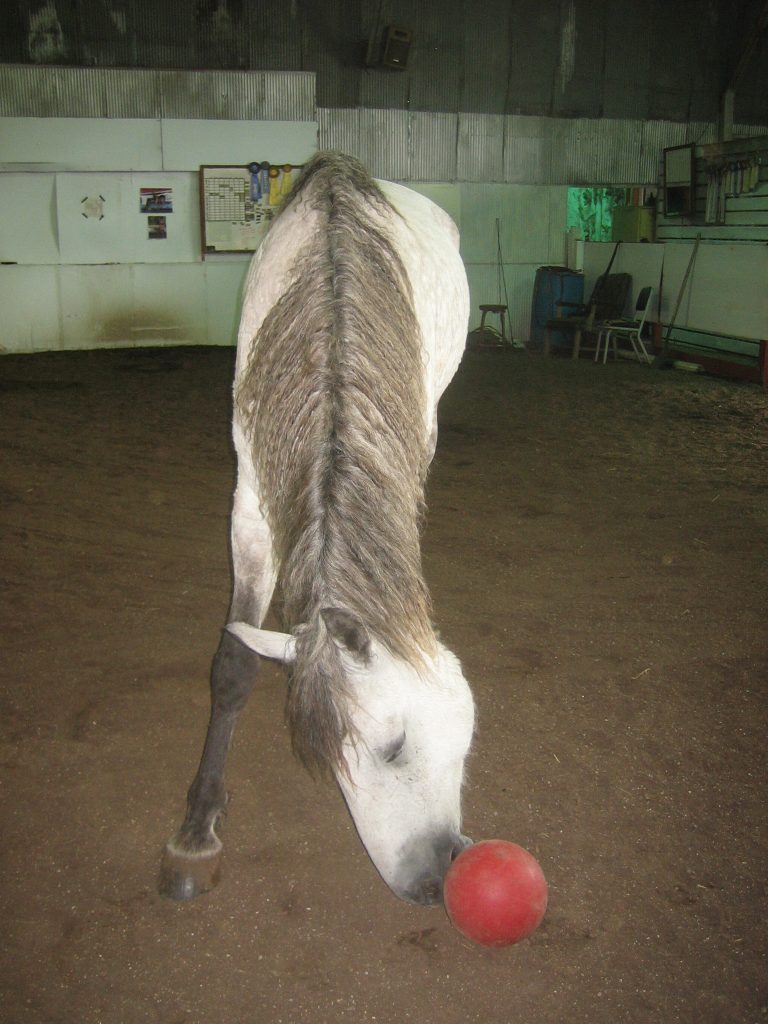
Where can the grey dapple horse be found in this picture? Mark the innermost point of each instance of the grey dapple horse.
(353, 323)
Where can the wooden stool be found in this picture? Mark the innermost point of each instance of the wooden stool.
(500, 311)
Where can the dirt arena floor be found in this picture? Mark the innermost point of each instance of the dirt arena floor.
(597, 546)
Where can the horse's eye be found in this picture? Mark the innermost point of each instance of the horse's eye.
(393, 750)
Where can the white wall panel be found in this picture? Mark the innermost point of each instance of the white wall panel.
(531, 221)
(92, 239)
(28, 218)
(727, 289)
(532, 234)
(224, 281)
(187, 143)
(73, 143)
(483, 288)
(96, 306)
(83, 144)
(121, 235)
(29, 299)
(514, 290)
(103, 306)
(78, 307)
(168, 307)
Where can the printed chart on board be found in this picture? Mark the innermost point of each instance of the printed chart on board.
(238, 203)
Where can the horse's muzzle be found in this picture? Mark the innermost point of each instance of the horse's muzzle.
(426, 889)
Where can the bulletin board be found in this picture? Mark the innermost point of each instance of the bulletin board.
(238, 203)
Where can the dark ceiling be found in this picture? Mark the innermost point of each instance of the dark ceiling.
(565, 58)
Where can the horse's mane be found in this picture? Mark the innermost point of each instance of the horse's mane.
(333, 397)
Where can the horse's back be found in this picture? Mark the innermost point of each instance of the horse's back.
(271, 272)
(429, 247)
(426, 241)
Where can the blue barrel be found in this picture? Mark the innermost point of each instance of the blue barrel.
(552, 285)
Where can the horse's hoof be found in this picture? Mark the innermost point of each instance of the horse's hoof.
(184, 877)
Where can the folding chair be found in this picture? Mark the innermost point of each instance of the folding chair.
(609, 331)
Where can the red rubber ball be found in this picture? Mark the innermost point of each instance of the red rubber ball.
(495, 893)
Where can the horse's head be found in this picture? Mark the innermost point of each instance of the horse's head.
(404, 754)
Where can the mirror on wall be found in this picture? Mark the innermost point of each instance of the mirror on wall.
(679, 181)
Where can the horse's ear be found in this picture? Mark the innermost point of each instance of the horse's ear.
(279, 646)
(349, 632)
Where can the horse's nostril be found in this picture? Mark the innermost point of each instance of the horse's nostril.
(425, 893)
(431, 891)
(424, 864)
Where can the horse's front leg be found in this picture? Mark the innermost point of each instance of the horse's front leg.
(191, 862)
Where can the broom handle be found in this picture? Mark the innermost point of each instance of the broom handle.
(680, 294)
(604, 276)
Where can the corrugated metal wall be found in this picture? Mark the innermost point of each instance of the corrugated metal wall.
(29, 91)
(554, 58)
(395, 144)
(508, 149)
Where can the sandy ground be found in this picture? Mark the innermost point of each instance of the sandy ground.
(596, 546)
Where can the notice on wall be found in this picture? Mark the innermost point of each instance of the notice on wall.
(239, 203)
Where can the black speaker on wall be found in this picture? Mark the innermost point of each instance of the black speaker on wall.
(395, 47)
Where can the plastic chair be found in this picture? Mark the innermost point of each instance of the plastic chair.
(609, 331)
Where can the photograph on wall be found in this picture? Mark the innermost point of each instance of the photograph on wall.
(157, 227)
(156, 200)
